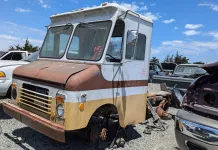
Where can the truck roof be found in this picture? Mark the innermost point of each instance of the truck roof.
(102, 6)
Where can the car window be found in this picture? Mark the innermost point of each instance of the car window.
(140, 48)
(157, 68)
(7, 57)
(186, 69)
(114, 48)
(17, 56)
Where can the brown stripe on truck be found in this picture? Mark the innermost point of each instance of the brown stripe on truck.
(70, 76)
(92, 79)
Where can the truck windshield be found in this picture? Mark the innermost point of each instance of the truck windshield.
(89, 41)
(187, 70)
(56, 41)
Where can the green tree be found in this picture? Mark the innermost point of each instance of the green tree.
(179, 59)
(167, 59)
(26, 47)
(154, 59)
(16, 47)
(199, 62)
(171, 58)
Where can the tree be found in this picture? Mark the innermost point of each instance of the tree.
(185, 60)
(17, 47)
(199, 62)
(167, 59)
(171, 59)
(27, 47)
(154, 59)
(179, 59)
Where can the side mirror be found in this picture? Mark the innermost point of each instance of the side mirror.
(131, 38)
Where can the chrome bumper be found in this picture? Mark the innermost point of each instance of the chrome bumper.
(197, 131)
(194, 129)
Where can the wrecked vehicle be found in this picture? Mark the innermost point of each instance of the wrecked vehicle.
(182, 77)
(196, 125)
(155, 69)
(168, 67)
(86, 69)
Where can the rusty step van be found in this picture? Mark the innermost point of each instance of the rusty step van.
(94, 62)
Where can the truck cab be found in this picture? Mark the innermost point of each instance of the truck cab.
(14, 55)
(93, 62)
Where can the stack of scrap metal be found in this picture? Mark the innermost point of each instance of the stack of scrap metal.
(158, 94)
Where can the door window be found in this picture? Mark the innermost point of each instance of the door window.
(140, 48)
(114, 52)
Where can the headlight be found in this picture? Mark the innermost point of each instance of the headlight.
(60, 110)
(2, 74)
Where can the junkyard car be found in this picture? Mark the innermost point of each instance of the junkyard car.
(168, 67)
(196, 125)
(6, 70)
(155, 69)
(182, 76)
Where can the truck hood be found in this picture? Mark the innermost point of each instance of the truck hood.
(211, 68)
(4, 63)
(52, 72)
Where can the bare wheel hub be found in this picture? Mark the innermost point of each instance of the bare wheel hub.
(103, 134)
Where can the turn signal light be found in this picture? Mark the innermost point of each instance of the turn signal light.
(81, 106)
(60, 99)
(2, 74)
(13, 85)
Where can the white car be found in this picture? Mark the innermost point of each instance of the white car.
(13, 55)
(6, 70)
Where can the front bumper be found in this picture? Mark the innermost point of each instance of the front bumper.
(195, 132)
(50, 129)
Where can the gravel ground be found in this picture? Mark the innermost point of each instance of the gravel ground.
(11, 129)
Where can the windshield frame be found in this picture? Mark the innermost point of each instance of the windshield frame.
(56, 26)
(105, 44)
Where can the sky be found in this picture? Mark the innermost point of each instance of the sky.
(187, 26)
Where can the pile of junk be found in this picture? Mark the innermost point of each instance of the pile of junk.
(159, 99)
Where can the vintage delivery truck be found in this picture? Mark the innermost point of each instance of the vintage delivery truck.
(93, 63)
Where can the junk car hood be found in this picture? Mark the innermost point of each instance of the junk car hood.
(211, 68)
(49, 71)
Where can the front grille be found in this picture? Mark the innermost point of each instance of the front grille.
(36, 97)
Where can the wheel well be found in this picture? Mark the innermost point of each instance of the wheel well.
(105, 110)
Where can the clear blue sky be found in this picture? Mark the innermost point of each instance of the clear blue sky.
(187, 26)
